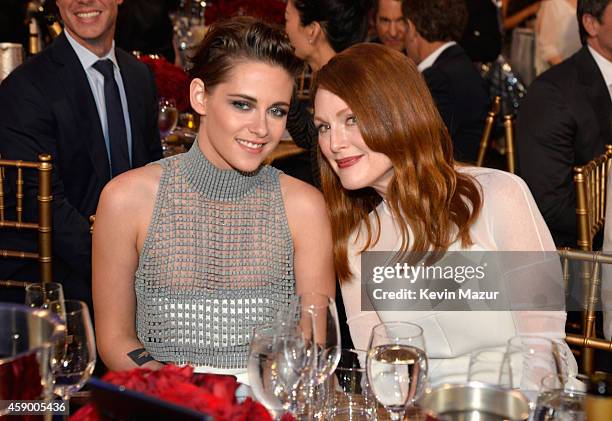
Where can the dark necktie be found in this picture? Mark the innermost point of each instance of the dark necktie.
(117, 134)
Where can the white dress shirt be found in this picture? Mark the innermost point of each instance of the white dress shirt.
(605, 67)
(96, 82)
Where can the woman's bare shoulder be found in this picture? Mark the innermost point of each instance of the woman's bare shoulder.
(300, 198)
(132, 189)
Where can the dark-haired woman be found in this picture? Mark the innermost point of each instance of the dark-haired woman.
(391, 185)
(318, 29)
(193, 252)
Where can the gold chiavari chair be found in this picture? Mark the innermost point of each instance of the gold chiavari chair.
(590, 269)
(590, 182)
(43, 226)
(303, 84)
(508, 133)
(488, 128)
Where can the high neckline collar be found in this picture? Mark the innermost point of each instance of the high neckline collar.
(215, 183)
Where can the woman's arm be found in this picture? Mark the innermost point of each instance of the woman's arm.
(311, 233)
(122, 218)
(510, 22)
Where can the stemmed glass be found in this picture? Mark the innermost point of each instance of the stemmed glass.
(76, 357)
(311, 350)
(167, 119)
(397, 365)
(263, 368)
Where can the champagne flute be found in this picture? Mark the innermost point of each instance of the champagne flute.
(397, 365)
(78, 355)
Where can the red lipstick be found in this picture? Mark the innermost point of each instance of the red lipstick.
(348, 162)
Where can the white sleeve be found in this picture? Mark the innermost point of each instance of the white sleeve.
(516, 224)
(548, 35)
(360, 322)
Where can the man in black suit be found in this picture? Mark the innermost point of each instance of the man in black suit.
(432, 28)
(566, 120)
(94, 109)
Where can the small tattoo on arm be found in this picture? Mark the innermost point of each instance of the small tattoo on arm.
(140, 356)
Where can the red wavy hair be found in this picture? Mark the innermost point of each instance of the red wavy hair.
(397, 117)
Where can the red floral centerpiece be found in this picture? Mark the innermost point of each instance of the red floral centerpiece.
(171, 81)
(211, 394)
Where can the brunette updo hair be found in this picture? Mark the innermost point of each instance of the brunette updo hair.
(344, 22)
(240, 39)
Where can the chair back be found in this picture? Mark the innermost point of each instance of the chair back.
(590, 182)
(44, 224)
(590, 269)
(509, 132)
(485, 141)
(303, 84)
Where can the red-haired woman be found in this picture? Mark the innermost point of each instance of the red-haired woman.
(391, 184)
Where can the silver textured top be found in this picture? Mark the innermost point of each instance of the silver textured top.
(217, 261)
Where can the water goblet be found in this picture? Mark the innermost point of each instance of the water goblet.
(397, 365)
(263, 368)
(77, 355)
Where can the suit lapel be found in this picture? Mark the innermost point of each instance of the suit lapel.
(591, 78)
(75, 82)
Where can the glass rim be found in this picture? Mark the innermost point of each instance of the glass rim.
(35, 285)
(82, 306)
(376, 328)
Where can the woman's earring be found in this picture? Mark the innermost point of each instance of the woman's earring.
(310, 41)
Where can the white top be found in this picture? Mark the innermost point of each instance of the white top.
(557, 32)
(431, 59)
(605, 67)
(509, 221)
(96, 82)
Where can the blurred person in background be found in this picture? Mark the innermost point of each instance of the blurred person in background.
(389, 23)
(557, 34)
(432, 29)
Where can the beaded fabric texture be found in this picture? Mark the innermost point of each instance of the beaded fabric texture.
(217, 262)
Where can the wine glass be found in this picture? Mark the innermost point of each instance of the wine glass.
(263, 368)
(397, 365)
(313, 320)
(312, 350)
(167, 118)
(491, 366)
(77, 357)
